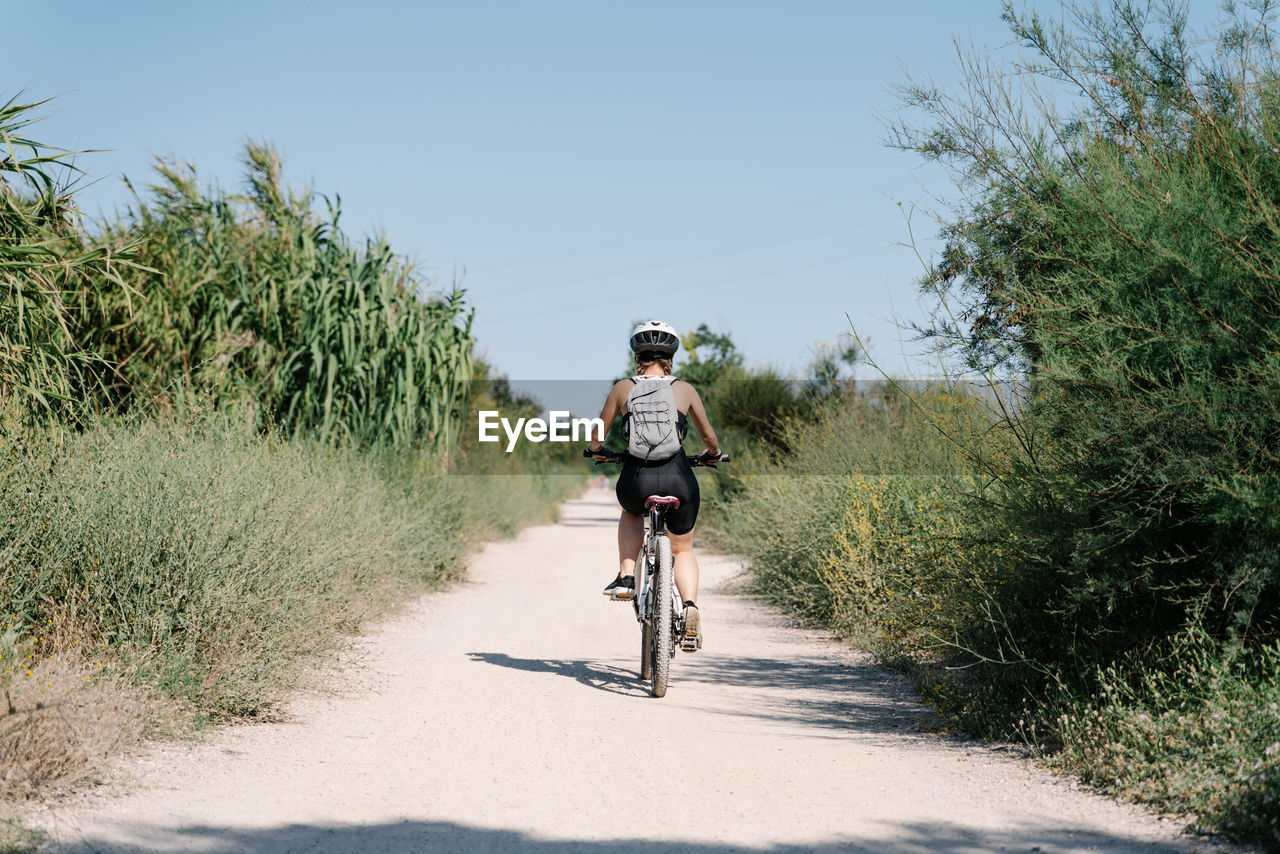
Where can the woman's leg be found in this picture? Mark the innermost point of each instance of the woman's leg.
(630, 538)
(686, 565)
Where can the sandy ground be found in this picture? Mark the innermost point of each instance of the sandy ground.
(506, 715)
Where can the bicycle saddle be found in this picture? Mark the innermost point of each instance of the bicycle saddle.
(662, 499)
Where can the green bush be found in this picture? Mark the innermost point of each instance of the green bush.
(1123, 256)
(883, 524)
(1198, 733)
(860, 525)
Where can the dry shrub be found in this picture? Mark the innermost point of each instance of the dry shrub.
(67, 719)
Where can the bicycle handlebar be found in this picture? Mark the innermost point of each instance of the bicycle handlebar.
(619, 456)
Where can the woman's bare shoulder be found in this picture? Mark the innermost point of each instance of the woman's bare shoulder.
(621, 388)
(685, 393)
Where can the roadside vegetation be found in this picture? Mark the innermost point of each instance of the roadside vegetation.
(226, 437)
(227, 429)
(1076, 547)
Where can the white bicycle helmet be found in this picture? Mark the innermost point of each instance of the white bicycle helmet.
(655, 336)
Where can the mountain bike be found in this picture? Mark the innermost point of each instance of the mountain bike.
(657, 602)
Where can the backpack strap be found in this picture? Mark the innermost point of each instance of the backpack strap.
(623, 408)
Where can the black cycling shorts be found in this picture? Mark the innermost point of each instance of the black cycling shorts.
(638, 480)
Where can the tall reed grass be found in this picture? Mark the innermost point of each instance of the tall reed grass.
(260, 296)
(51, 274)
(255, 297)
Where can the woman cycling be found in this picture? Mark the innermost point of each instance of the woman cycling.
(654, 344)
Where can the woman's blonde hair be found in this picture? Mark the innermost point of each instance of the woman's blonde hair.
(665, 363)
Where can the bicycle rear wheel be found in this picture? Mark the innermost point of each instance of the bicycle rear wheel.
(661, 624)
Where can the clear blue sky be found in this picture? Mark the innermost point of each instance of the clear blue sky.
(579, 164)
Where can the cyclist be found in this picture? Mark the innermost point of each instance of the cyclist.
(654, 344)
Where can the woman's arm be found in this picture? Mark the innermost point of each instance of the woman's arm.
(698, 416)
(612, 406)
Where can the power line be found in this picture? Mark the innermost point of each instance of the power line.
(705, 225)
(649, 294)
(561, 283)
(555, 284)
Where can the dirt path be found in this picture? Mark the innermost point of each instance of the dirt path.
(506, 716)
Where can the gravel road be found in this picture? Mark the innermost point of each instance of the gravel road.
(505, 715)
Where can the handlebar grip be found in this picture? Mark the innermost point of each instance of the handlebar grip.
(712, 462)
(610, 456)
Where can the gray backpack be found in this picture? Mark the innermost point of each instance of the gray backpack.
(652, 419)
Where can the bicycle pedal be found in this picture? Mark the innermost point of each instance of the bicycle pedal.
(616, 598)
(690, 643)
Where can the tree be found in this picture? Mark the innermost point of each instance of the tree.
(1116, 245)
(708, 355)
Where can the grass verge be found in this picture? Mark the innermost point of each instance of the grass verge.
(190, 572)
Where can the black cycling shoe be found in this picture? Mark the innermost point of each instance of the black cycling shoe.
(622, 587)
(691, 640)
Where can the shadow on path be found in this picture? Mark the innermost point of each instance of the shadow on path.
(433, 836)
(814, 692)
(593, 674)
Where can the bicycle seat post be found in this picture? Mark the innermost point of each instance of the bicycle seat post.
(658, 505)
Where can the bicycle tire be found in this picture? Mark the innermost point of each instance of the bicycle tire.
(646, 651)
(663, 630)
(643, 613)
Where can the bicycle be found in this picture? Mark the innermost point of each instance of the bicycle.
(661, 625)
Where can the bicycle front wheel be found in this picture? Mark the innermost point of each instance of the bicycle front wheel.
(646, 651)
(661, 624)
